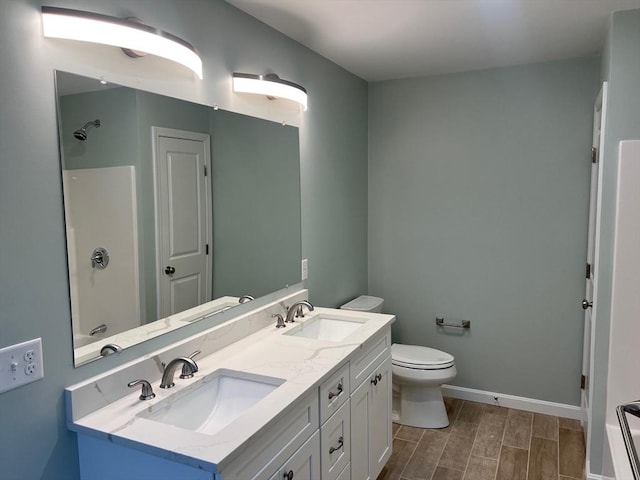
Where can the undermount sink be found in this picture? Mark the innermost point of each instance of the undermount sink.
(218, 400)
(330, 329)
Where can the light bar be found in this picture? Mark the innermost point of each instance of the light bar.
(270, 85)
(96, 28)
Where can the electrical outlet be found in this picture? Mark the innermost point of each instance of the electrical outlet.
(20, 364)
(305, 268)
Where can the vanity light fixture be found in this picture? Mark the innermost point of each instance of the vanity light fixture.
(124, 33)
(270, 85)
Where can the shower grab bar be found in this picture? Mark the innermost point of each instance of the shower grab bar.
(461, 324)
(632, 408)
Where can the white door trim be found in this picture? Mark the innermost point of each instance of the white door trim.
(156, 133)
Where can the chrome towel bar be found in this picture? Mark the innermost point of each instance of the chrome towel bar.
(460, 324)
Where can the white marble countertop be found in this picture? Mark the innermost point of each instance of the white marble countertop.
(302, 362)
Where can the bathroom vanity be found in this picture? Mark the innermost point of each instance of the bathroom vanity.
(308, 401)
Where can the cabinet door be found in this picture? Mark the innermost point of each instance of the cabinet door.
(380, 437)
(360, 406)
(371, 424)
(304, 464)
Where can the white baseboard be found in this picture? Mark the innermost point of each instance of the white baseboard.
(593, 476)
(511, 401)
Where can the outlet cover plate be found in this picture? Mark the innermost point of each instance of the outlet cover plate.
(21, 364)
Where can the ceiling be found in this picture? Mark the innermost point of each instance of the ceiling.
(391, 39)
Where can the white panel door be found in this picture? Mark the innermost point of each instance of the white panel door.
(592, 253)
(183, 219)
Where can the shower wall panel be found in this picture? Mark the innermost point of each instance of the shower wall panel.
(100, 209)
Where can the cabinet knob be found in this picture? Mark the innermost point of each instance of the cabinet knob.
(376, 379)
(586, 304)
(288, 475)
(169, 270)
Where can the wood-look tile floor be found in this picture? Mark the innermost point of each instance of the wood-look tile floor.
(487, 442)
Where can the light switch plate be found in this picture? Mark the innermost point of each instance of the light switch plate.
(21, 364)
(305, 268)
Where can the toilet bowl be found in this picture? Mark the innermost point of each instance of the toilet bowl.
(418, 374)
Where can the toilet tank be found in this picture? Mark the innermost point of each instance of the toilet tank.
(365, 303)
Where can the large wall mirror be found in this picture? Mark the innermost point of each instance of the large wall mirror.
(174, 211)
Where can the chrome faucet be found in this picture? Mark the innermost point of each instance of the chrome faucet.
(280, 323)
(189, 368)
(110, 348)
(246, 298)
(295, 310)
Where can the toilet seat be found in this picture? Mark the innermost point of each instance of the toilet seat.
(420, 358)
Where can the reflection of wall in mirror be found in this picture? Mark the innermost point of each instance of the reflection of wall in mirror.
(256, 201)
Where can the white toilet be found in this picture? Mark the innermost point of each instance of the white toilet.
(418, 374)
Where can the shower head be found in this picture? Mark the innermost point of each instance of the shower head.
(81, 133)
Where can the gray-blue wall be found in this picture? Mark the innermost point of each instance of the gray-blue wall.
(478, 203)
(34, 442)
(621, 68)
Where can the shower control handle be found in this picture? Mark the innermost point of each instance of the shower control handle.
(99, 258)
(586, 304)
(169, 270)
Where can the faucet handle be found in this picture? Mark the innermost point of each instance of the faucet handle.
(187, 369)
(147, 391)
(280, 318)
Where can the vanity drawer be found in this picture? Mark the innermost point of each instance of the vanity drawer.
(369, 356)
(304, 464)
(334, 392)
(262, 458)
(335, 443)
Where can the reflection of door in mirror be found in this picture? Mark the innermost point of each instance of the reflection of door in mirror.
(183, 196)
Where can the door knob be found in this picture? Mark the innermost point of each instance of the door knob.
(586, 304)
(169, 270)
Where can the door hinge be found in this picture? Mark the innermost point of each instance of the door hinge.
(583, 382)
(206, 249)
(594, 155)
(205, 170)
(588, 272)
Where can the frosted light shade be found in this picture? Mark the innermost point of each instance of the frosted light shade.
(96, 28)
(271, 86)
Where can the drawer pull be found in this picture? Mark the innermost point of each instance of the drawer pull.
(288, 475)
(376, 379)
(338, 447)
(333, 395)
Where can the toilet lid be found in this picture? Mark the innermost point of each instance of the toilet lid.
(421, 358)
